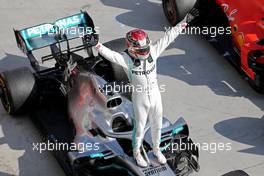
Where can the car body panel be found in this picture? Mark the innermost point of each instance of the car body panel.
(89, 127)
(247, 21)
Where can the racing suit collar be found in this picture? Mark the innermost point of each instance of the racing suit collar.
(136, 61)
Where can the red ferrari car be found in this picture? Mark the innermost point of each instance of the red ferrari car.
(245, 19)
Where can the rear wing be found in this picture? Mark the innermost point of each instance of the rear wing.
(43, 35)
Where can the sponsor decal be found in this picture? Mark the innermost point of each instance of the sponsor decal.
(69, 22)
(231, 15)
(37, 31)
(63, 23)
(147, 72)
(155, 170)
(225, 7)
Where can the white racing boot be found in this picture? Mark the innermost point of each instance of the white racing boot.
(161, 158)
(139, 159)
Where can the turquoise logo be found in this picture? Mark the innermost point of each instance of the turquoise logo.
(177, 130)
(47, 28)
(69, 21)
(37, 31)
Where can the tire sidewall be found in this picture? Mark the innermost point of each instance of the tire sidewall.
(20, 90)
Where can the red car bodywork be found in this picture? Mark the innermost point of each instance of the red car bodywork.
(247, 21)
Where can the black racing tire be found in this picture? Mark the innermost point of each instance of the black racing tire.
(176, 10)
(259, 89)
(18, 89)
(236, 173)
(118, 45)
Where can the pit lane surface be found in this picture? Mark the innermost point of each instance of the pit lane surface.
(201, 86)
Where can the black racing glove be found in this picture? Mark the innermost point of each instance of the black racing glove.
(95, 39)
(193, 13)
(91, 40)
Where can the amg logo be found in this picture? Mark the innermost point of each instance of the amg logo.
(144, 72)
(155, 170)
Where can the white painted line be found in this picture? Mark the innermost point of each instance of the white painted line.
(187, 71)
(228, 85)
(120, 24)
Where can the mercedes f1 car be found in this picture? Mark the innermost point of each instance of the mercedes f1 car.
(71, 105)
(245, 19)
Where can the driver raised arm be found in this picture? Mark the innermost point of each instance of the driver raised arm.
(111, 55)
(155, 49)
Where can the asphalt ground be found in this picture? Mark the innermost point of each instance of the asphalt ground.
(201, 86)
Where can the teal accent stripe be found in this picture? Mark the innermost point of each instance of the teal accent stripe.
(165, 147)
(97, 155)
(82, 18)
(177, 130)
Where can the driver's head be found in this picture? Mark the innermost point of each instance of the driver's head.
(138, 43)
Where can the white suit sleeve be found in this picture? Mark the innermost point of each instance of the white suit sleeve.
(111, 55)
(167, 39)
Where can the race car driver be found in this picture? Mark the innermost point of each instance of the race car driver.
(139, 63)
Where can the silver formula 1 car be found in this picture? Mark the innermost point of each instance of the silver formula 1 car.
(88, 124)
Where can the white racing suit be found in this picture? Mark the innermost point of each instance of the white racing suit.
(147, 103)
